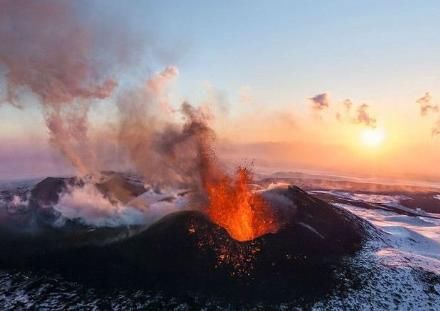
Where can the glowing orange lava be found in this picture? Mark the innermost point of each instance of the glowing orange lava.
(234, 206)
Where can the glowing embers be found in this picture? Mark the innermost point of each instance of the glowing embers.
(234, 206)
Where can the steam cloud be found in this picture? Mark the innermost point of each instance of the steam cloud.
(363, 116)
(425, 104)
(428, 108)
(48, 49)
(320, 101)
(89, 206)
(348, 104)
(436, 129)
(360, 115)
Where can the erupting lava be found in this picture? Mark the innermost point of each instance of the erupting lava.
(233, 205)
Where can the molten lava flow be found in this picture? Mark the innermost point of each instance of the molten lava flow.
(244, 214)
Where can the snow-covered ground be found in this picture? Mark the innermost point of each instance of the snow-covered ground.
(401, 269)
(398, 269)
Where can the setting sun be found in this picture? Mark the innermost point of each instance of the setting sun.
(267, 155)
(372, 137)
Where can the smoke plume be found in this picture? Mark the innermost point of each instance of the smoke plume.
(163, 151)
(66, 61)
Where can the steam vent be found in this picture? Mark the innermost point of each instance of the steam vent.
(305, 252)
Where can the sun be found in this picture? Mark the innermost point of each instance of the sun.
(372, 137)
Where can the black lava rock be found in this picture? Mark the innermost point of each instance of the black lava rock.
(187, 251)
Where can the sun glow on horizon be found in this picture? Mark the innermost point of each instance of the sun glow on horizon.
(372, 137)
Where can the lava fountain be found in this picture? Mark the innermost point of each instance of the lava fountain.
(233, 205)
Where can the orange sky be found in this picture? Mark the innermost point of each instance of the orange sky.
(286, 138)
(304, 139)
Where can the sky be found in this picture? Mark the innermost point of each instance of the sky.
(258, 64)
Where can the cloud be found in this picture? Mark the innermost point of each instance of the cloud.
(348, 104)
(320, 101)
(436, 129)
(363, 116)
(356, 115)
(426, 106)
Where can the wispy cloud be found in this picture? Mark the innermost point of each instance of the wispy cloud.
(356, 114)
(363, 116)
(426, 105)
(320, 102)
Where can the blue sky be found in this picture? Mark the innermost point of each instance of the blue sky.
(289, 50)
(383, 52)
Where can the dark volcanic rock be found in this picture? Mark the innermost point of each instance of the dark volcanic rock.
(115, 186)
(186, 251)
(339, 231)
(120, 188)
(47, 191)
(45, 194)
(187, 245)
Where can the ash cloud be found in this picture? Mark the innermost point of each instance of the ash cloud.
(163, 151)
(50, 50)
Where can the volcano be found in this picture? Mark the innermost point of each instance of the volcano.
(187, 250)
